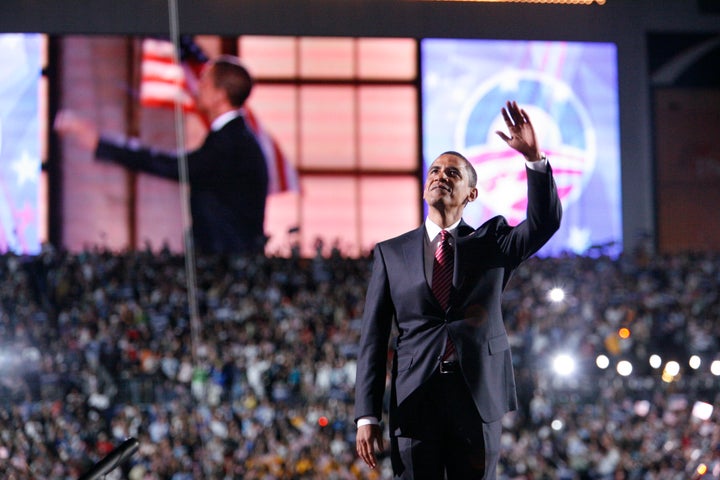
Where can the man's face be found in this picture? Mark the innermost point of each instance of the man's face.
(207, 93)
(447, 184)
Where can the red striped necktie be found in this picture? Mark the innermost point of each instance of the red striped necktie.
(442, 272)
(442, 280)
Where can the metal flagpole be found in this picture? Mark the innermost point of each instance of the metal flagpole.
(190, 269)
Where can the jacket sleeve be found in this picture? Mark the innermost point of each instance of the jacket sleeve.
(373, 348)
(544, 212)
(138, 158)
(232, 151)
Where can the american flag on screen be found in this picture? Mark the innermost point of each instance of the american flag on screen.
(163, 81)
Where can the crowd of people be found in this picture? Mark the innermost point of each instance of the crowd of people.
(257, 381)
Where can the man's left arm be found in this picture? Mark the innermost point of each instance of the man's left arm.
(521, 138)
(544, 212)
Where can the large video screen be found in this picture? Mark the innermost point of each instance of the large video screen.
(19, 143)
(569, 89)
(346, 146)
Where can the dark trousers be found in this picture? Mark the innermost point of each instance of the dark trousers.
(448, 439)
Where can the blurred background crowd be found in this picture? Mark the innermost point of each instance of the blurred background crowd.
(98, 347)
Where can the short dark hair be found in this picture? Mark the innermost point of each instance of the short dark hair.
(468, 166)
(230, 75)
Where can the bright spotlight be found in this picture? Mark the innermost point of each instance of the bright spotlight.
(556, 295)
(557, 425)
(695, 362)
(602, 361)
(670, 372)
(702, 410)
(624, 368)
(715, 368)
(672, 368)
(563, 364)
(655, 361)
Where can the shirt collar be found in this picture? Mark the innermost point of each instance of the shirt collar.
(433, 229)
(224, 119)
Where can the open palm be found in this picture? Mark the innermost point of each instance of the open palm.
(522, 134)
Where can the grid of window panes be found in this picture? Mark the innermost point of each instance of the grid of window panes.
(345, 113)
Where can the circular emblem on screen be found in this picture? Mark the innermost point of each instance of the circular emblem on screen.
(562, 126)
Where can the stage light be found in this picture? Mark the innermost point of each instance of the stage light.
(563, 364)
(323, 421)
(557, 425)
(672, 368)
(670, 372)
(655, 361)
(556, 295)
(715, 368)
(624, 333)
(602, 361)
(695, 362)
(624, 368)
(701, 469)
(702, 410)
(559, 2)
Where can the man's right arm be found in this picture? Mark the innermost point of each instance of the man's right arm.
(128, 153)
(136, 157)
(373, 347)
(372, 362)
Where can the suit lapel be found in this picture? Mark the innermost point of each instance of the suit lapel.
(463, 234)
(414, 257)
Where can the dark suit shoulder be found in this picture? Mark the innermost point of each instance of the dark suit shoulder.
(489, 229)
(410, 236)
(235, 123)
(235, 131)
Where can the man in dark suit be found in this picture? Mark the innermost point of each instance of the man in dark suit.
(227, 175)
(452, 378)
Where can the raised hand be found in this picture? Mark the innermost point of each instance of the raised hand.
(522, 134)
(68, 123)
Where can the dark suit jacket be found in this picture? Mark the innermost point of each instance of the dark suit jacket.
(398, 290)
(228, 185)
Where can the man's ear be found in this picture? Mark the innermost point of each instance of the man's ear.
(472, 196)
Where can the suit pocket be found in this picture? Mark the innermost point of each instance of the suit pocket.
(404, 362)
(498, 344)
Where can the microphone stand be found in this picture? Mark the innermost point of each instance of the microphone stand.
(112, 459)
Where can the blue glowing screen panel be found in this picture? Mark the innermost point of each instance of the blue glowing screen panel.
(569, 90)
(19, 143)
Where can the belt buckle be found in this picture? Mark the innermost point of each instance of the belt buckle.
(448, 367)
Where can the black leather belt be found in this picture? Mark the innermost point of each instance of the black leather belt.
(449, 367)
